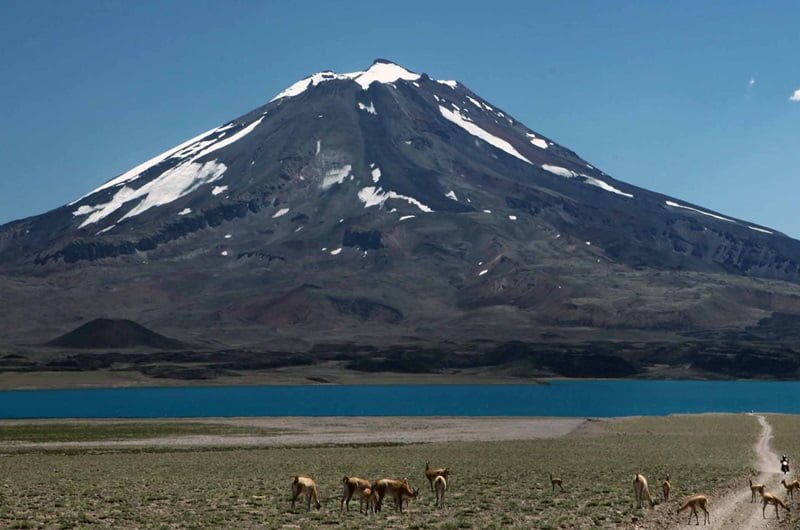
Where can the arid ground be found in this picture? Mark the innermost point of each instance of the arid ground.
(236, 472)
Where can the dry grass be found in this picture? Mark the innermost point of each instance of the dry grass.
(493, 485)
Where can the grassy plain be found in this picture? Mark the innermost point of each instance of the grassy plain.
(493, 484)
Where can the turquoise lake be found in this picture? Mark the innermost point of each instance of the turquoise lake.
(561, 398)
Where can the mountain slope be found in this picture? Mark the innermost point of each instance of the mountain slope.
(385, 209)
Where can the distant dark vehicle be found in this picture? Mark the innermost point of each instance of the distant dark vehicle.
(784, 464)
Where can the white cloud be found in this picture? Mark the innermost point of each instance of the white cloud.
(795, 96)
(751, 82)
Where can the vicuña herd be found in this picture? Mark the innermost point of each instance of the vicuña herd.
(371, 493)
(694, 503)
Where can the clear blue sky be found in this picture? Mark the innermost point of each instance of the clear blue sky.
(687, 98)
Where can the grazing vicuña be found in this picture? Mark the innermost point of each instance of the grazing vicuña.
(440, 485)
(305, 485)
(431, 473)
(397, 489)
(769, 498)
(351, 486)
(666, 487)
(641, 491)
(698, 501)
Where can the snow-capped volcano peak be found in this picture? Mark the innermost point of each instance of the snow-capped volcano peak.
(381, 71)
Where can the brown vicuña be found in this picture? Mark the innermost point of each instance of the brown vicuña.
(666, 487)
(354, 486)
(431, 473)
(394, 488)
(440, 485)
(769, 498)
(641, 491)
(755, 489)
(368, 497)
(305, 485)
(791, 487)
(695, 502)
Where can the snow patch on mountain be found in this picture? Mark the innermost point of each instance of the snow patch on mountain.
(370, 108)
(228, 141)
(538, 142)
(376, 174)
(280, 213)
(196, 147)
(173, 183)
(313, 80)
(475, 102)
(759, 229)
(384, 73)
(169, 186)
(380, 72)
(451, 195)
(447, 82)
(375, 196)
(676, 205)
(335, 176)
(135, 172)
(560, 171)
(218, 189)
(86, 210)
(466, 124)
(604, 186)
(592, 181)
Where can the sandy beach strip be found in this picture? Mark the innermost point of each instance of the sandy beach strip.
(303, 431)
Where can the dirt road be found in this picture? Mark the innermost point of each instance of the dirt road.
(734, 510)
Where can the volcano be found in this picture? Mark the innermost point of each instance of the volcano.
(383, 220)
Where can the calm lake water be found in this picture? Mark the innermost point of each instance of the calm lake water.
(562, 398)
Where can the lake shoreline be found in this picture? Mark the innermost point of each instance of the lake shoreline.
(303, 431)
